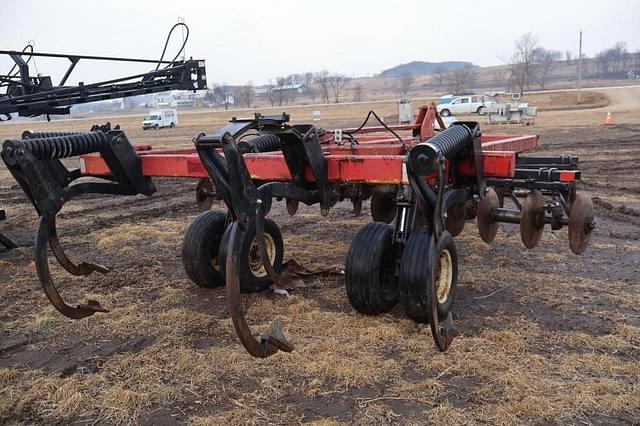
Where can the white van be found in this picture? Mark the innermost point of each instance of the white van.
(160, 118)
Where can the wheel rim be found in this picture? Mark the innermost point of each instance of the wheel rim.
(444, 276)
(255, 261)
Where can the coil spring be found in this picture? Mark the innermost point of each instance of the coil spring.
(263, 143)
(29, 134)
(63, 146)
(452, 140)
(423, 156)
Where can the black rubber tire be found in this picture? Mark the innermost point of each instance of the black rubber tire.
(417, 279)
(200, 249)
(445, 113)
(248, 281)
(372, 287)
(480, 110)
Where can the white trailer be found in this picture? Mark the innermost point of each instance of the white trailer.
(160, 118)
(511, 112)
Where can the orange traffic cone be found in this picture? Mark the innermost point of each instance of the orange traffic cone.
(609, 120)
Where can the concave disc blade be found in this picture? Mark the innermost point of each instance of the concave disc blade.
(531, 224)
(581, 224)
(487, 227)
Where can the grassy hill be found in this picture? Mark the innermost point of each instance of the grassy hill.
(423, 68)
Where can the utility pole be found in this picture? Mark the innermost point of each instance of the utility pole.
(580, 69)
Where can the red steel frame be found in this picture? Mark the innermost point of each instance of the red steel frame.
(377, 159)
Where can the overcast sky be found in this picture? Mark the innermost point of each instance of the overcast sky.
(254, 41)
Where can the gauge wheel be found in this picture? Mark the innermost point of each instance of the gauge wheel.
(200, 248)
(372, 287)
(428, 268)
(253, 275)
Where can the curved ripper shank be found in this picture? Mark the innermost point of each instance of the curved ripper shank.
(245, 204)
(47, 234)
(34, 161)
(270, 343)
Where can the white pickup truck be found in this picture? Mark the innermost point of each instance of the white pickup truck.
(473, 104)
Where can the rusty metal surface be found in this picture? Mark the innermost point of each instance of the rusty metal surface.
(292, 206)
(454, 222)
(43, 236)
(204, 194)
(383, 207)
(532, 219)
(581, 223)
(488, 227)
(268, 344)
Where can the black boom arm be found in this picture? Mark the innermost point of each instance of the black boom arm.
(31, 96)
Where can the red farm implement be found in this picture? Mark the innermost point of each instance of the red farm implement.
(424, 182)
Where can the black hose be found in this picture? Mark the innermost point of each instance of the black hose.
(166, 43)
(24, 50)
(364, 123)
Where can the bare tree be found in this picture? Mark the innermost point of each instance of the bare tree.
(500, 75)
(281, 92)
(322, 79)
(249, 94)
(545, 63)
(222, 94)
(522, 64)
(210, 97)
(588, 67)
(311, 92)
(461, 79)
(636, 62)
(243, 95)
(238, 96)
(357, 92)
(270, 94)
(296, 79)
(308, 78)
(406, 80)
(612, 61)
(568, 56)
(337, 83)
(439, 78)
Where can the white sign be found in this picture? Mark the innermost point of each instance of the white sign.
(316, 115)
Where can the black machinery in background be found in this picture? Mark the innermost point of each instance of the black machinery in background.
(30, 95)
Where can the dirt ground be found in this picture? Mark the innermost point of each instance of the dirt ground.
(546, 336)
